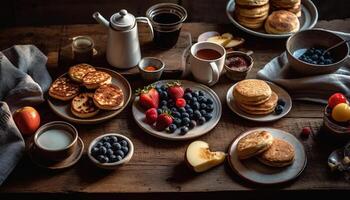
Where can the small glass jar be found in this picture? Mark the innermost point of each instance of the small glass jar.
(334, 128)
(83, 48)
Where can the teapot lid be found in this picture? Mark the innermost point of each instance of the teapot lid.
(122, 20)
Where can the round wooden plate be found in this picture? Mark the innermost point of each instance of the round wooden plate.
(282, 94)
(254, 171)
(139, 115)
(62, 108)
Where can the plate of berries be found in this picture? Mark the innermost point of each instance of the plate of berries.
(176, 110)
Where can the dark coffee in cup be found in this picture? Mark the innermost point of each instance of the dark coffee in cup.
(208, 54)
(166, 19)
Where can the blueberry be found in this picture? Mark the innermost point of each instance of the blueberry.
(103, 150)
(188, 96)
(163, 103)
(188, 90)
(184, 115)
(194, 99)
(172, 128)
(197, 114)
(163, 87)
(195, 94)
(120, 153)
(98, 144)
(278, 109)
(200, 93)
(159, 111)
(116, 146)
(321, 63)
(190, 111)
(207, 116)
(164, 108)
(192, 124)
(209, 101)
(185, 121)
(113, 139)
(314, 62)
(119, 158)
(176, 115)
(158, 88)
(109, 152)
(171, 103)
(183, 130)
(95, 150)
(177, 121)
(107, 145)
(105, 139)
(210, 108)
(124, 143)
(203, 106)
(281, 102)
(164, 95)
(182, 110)
(187, 107)
(201, 120)
(328, 61)
(196, 106)
(201, 99)
(319, 51)
(102, 159)
(314, 57)
(125, 150)
(112, 158)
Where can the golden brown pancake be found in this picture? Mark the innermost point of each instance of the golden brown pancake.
(63, 89)
(109, 97)
(83, 106)
(266, 106)
(252, 12)
(251, 2)
(253, 23)
(285, 4)
(282, 22)
(253, 144)
(95, 79)
(280, 154)
(252, 90)
(77, 72)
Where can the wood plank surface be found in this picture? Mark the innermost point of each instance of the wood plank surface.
(157, 165)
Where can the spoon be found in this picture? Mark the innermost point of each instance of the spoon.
(335, 160)
(335, 46)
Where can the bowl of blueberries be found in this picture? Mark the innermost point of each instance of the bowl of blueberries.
(110, 150)
(306, 52)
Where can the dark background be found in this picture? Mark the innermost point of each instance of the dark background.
(49, 12)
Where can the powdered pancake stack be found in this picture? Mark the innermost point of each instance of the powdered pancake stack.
(255, 97)
(252, 13)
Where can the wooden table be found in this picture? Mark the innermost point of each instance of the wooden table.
(157, 168)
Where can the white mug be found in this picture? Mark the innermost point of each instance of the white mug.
(207, 71)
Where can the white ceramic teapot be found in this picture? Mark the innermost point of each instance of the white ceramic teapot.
(123, 47)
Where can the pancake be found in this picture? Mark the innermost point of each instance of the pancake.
(252, 90)
(256, 112)
(267, 106)
(109, 97)
(63, 89)
(252, 12)
(251, 2)
(77, 72)
(253, 144)
(95, 79)
(83, 106)
(284, 4)
(280, 154)
(241, 100)
(253, 23)
(282, 22)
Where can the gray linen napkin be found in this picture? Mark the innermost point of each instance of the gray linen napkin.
(316, 88)
(23, 81)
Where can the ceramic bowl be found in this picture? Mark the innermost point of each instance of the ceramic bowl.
(113, 165)
(310, 38)
(151, 76)
(235, 74)
(59, 154)
(333, 128)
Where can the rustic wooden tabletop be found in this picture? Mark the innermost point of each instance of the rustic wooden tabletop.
(158, 165)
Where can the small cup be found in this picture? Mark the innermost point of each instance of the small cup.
(238, 75)
(56, 140)
(83, 48)
(149, 75)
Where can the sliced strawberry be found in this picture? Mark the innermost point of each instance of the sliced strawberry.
(163, 121)
(151, 115)
(149, 97)
(175, 90)
(180, 102)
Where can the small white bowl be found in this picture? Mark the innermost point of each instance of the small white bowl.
(151, 75)
(113, 165)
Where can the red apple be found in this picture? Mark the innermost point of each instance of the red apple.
(27, 120)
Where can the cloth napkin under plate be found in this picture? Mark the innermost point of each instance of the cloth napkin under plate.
(23, 81)
(317, 88)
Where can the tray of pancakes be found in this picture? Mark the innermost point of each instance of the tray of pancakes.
(257, 100)
(267, 156)
(272, 18)
(87, 95)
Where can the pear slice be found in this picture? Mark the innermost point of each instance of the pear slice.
(227, 35)
(219, 40)
(200, 158)
(234, 42)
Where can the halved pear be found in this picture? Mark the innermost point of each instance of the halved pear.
(219, 40)
(199, 157)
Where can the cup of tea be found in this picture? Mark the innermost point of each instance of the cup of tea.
(166, 20)
(207, 62)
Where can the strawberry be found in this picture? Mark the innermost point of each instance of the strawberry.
(180, 102)
(175, 90)
(151, 115)
(149, 97)
(163, 121)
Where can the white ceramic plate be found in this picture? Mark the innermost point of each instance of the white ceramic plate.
(308, 19)
(139, 115)
(252, 170)
(282, 94)
(62, 108)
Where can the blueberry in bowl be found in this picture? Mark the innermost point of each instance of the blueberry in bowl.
(110, 150)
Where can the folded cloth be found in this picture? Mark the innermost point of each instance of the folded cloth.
(316, 88)
(23, 81)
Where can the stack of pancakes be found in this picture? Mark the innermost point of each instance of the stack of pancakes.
(267, 149)
(293, 6)
(255, 97)
(252, 13)
(100, 94)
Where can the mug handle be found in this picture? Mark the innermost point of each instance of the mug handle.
(215, 73)
(146, 21)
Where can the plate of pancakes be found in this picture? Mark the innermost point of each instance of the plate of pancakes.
(267, 156)
(257, 100)
(199, 130)
(87, 94)
(272, 18)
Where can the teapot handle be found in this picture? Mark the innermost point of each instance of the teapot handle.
(146, 21)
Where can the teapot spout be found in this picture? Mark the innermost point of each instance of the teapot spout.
(100, 19)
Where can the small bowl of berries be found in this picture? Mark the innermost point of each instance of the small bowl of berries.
(307, 52)
(110, 150)
(238, 64)
(337, 115)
